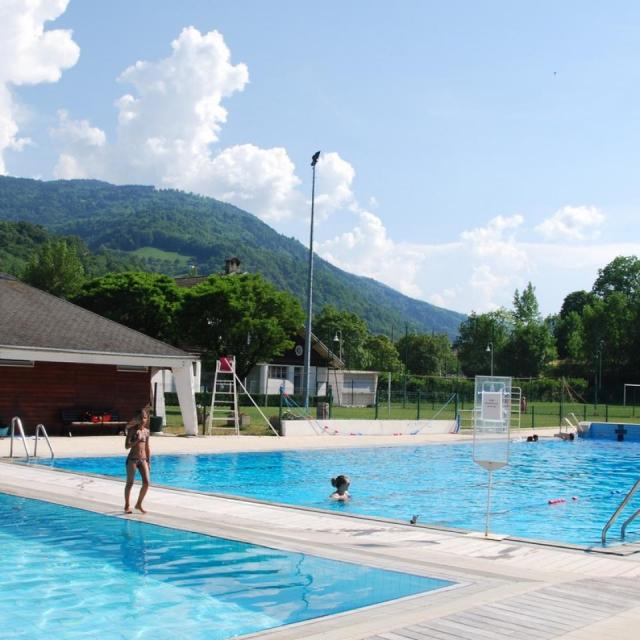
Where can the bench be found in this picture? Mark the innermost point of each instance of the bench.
(85, 418)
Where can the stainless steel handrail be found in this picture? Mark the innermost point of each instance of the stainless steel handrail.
(41, 430)
(15, 421)
(623, 504)
(623, 530)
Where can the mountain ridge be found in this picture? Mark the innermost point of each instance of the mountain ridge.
(171, 230)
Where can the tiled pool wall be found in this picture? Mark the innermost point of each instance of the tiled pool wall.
(618, 431)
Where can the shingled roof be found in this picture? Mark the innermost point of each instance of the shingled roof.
(33, 319)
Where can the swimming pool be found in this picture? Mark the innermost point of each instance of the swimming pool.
(439, 483)
(67, 573)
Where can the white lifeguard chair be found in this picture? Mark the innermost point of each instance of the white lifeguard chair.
(223, 412)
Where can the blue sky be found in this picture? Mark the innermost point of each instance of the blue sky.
(468, 148)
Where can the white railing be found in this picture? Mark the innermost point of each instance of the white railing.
(41, 432)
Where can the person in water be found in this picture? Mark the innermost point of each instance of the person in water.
(341, 484)
(137, 441)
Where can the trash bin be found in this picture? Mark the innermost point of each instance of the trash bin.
(322, 411)
(155, 424)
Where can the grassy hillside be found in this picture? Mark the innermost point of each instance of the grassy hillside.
(167, 230)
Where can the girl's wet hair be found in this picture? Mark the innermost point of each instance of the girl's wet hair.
(339, 480)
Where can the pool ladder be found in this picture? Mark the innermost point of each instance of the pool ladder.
(614, 517)
(16, 424)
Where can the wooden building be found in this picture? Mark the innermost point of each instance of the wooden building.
(56, 356)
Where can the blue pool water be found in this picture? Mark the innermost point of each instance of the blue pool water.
(440, 483)
(71, 574)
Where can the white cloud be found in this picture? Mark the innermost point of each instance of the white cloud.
(77, 131)
(572, 224)
(258, 180)
(368, 250)
(68, 168)
(478, 272)
(167, 130)
(333, 186)
(29, 55)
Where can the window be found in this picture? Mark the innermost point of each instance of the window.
(277, 372)
(358, 384)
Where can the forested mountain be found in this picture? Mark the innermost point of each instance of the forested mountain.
(168, 231)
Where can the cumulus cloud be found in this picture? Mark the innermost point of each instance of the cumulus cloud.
(572, 224)
(259, 180)
(77, 131)
(334, 186)
(167, 128)
(29, 55)
(368, 250)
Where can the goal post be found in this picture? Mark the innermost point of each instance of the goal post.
(624, 393)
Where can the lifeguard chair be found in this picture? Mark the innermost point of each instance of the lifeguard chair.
(223, 413)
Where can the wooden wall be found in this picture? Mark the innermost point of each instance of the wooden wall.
(38, 394)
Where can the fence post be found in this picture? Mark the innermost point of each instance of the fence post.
(560, 414)
(418, 409)
(280, 408)
(455, 407)
(376, 405)
(533, 417)
(606, 413)
(584, 412)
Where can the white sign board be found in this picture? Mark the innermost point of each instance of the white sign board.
(491, 419)
(492, 415)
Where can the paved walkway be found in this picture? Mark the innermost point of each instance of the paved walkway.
(504, 589)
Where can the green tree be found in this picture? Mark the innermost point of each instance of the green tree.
(569, 335)
(530, 345)
(240, 315)
(146, 302)
(529, 348)
(621, 275)
(609, 335)
(576, 301)
(56, 267)
(478, 333)
(425, 354)
(348, 327)
(525, 305)
(382, 354)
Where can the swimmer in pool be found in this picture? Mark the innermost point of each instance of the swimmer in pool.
(137, 441)
(341, 484)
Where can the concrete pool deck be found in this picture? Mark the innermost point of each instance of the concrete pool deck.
(505, 588)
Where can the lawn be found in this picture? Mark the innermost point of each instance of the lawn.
(537, 415)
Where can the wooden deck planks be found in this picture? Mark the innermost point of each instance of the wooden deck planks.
(554, 611)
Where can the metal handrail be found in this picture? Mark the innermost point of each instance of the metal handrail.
(623, 504)
(15, 421)
(623, 530)
(41, 430)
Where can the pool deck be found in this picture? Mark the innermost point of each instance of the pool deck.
(505, 588)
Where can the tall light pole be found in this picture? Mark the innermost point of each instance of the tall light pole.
(489, 349)
(307, 338)
(338, 338)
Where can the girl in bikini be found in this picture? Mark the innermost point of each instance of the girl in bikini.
(137, 441)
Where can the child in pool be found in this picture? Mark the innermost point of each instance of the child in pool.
(341, 484)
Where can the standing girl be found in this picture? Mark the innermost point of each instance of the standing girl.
(137, 441)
